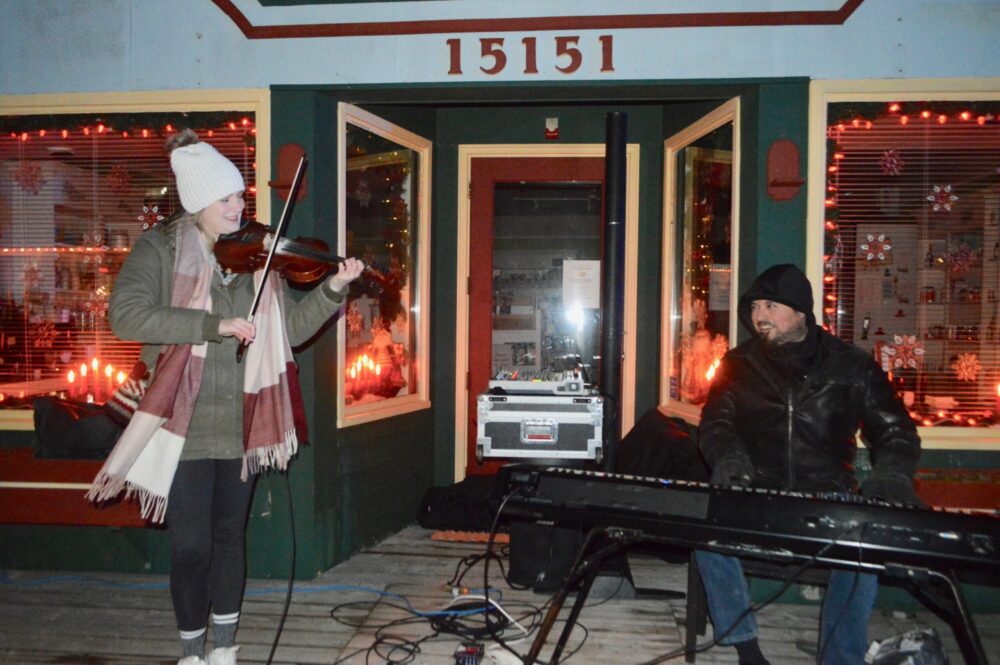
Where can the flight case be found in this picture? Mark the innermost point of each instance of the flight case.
(540, 426)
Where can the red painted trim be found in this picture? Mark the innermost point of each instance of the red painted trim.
(533, 24)
(63, 507)
(27, 505)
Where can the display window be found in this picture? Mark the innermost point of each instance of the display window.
(911, 248)
(384, 201)
(77, 188)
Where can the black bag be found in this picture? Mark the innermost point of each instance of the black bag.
(662, 447)
(464, 506)
(72, 430)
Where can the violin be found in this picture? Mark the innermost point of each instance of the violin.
(303, 261)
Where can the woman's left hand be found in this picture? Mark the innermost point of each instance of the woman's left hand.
(348, 271)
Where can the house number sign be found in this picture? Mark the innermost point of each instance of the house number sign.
(564, 50)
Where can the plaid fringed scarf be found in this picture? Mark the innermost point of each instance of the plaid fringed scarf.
(145, 458)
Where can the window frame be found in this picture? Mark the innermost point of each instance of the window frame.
(822, 93)
(250, 100)
(728, 111)
(348, 416)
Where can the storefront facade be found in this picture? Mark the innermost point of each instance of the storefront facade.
(743, 122)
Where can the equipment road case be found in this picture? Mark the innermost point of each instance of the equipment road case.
(540, 426)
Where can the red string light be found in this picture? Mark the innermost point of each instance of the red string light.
(106, 129)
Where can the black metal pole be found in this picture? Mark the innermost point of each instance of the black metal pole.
(613, 282)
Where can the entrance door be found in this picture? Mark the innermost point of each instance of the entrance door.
(528, 216)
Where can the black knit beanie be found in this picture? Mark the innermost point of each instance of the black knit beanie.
(783, 283)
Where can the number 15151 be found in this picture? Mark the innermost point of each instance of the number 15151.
(568, 57)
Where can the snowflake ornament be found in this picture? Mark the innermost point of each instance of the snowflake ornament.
(29, 177)
(43, 335)
(150, 216)
(966, 367)
(941, 198)
(876, 247)
(905, 352)
(119, 179)
(891, 163)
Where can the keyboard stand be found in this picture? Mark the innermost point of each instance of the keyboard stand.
(938, 591)
(600, 545)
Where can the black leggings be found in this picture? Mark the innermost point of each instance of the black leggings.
(206, 520)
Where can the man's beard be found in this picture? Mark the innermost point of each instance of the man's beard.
(794, 335)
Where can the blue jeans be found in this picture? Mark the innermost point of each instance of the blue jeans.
(847, 605)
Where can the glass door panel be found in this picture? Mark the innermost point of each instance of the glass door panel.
(699, 315)
(541, 230)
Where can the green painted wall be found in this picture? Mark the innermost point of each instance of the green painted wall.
(363, 482)
(350, 488)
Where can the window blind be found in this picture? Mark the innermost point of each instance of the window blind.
(75, 193)
(912, 250)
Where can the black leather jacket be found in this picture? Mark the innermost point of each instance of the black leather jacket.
(799, 432)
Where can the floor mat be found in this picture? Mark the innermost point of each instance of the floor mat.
(470, 537)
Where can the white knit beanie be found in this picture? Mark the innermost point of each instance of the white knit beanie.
(203, 175)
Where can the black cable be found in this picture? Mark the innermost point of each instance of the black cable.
(291, 573)
(613, 422)
(409, 648)
(486, 578)
(399, 650)
(471, 560)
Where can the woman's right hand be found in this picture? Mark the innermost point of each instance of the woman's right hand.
(241, 329)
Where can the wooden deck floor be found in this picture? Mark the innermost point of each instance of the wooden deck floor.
(97, 619)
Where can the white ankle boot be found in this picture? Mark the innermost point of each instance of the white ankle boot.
(223, 656)
(192, 660)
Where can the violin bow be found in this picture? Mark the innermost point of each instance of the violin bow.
(282, 223)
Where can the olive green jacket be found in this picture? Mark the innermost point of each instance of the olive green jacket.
(139, 310)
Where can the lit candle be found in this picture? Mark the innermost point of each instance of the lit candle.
(109, 380)
(71, 379)
(95, 365)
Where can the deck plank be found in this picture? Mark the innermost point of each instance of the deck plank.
(119, 619)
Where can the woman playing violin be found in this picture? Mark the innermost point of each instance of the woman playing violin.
(207, 423)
